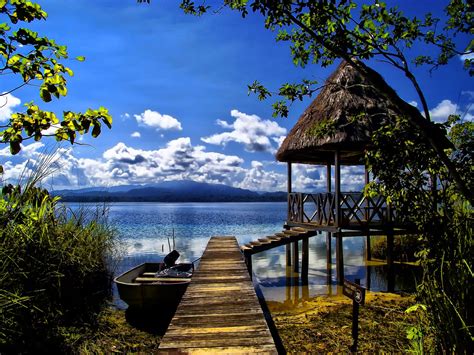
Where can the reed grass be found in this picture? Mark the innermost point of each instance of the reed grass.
(55, 270)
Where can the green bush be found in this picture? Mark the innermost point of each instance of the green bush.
(54, 267)
(405, 247)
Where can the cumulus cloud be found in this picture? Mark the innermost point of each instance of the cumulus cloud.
(261, 179)
(311, 179)
(158, 121)
(250, 130)
(441, 112)
(8, 103)
(178, 160)
(135, 135)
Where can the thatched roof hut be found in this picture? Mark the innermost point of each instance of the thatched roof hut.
(342, 117)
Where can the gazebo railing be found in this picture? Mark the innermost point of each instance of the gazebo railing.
(355, 209)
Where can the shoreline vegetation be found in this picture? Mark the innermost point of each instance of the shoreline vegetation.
(55, 270)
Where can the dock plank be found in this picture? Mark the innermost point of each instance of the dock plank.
(220, 311)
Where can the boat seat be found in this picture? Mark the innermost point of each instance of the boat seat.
(161, 279)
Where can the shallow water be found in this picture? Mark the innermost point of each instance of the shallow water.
(146, 231)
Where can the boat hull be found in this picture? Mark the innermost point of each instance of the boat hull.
(140, 295)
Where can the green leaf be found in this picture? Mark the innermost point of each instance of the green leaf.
(45, 95)
(96, 129)
(15, 147)
(81, 58)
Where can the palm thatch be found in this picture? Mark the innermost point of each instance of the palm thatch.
(342, 117)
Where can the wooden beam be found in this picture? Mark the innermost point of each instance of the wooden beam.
(337, 183)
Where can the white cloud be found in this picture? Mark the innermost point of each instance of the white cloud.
(259, 179)
(158, 121)
(135, 135)
(5, 152)
(413, 103)
(466, 56)
(310, 178)
(50, 131)
(441, 112)
(31, 150)
(250, 130)
(126, 115)
(8, 103)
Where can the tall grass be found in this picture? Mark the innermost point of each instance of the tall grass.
(54, 270)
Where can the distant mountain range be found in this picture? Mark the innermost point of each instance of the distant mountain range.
(169, 191)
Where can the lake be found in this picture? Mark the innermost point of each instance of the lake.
(146, 234)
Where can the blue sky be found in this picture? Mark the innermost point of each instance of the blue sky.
(176, 86)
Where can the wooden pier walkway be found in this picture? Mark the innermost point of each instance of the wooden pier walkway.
(220, 311)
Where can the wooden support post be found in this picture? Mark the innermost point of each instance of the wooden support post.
(368, 252)
(288, 255)
(328, 177)
(289, 177)
(296, 259)
(328, 260)
(305, 261)
(328, 248)
(289, 216)
(248, 261)
(339, 259)
(337, 183)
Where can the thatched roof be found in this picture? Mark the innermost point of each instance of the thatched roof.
(343, 116)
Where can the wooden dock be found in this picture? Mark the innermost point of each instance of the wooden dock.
(220, 311)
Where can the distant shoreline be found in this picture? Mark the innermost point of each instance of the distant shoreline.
(95, 199)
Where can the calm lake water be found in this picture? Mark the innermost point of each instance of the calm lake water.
(146, 231)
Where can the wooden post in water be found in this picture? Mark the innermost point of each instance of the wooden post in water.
(328, 258)
(289, 188)
(248, 261)
(296, 259)
(305, 261)
(368, 253)
(339, 259)
(288, 255)
(337, 183)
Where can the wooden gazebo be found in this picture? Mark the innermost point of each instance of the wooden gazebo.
(336, 130)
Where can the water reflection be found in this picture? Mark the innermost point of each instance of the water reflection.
(279, 282)
(146, 229)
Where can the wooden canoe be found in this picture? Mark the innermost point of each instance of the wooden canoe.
(140, 288)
